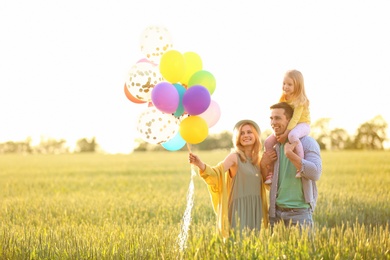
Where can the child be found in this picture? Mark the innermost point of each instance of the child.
(299, 125)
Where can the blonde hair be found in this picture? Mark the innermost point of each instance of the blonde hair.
(299, 97)
(257, 146)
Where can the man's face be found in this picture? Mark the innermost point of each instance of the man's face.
(279, 121)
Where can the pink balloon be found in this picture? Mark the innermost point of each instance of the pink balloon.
(212, 114)
(146, 60)
(165, 97)
(196, 100)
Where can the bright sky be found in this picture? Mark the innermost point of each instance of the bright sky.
(63, 63)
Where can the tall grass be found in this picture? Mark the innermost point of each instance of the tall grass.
(92, 206)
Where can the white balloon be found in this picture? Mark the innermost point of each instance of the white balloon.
(154, 42)
(142, 78)
(156, 127)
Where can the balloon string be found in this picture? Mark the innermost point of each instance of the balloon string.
(189, 147)
(186, 221)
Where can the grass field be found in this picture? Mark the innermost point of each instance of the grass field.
(93, 206)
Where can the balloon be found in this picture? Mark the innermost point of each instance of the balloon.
(212, 114)
(156, 127)
(174, 144)
(165, 97)
(181, 90)
(131, 97)
(193, 63)
(193, 129)
(154, 42)
(142, 78)
(146, 60)
(172, 66)
(196, 100)
(203, 78)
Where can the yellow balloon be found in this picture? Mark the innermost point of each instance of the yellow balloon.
(193, 63)
(172, 66)
(194, 129)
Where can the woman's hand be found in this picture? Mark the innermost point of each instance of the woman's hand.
(267, 159)
(194, 159)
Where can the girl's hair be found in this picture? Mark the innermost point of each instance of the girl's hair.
(257, 146)
(299, 96)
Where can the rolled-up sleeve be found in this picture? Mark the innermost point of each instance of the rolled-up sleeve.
(311, 163)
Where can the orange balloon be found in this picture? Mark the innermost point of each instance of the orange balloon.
(131, 97)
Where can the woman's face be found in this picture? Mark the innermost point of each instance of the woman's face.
(247, 137)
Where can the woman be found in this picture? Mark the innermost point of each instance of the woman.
(235, 184)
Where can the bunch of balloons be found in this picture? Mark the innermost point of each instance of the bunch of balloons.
(176, 89)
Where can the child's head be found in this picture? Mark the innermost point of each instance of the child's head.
(298, 94)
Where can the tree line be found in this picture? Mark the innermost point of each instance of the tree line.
(370, 135)
(49, 146)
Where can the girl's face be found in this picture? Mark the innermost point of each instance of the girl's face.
(247, 137)
(288, 86)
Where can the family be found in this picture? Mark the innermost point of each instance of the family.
(288, 168)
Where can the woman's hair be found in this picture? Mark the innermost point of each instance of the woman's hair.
(299, 96)
(238, 148)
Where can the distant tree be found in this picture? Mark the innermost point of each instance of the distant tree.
(372, 134)
(51, 146)
(265, 134)
(142, 146)
(16, 147)
(86, 146)
(320, 130)
(221, 140)
(340, 139)
(224, 140)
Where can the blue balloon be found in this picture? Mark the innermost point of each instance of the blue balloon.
(175, 143)
(181, 90)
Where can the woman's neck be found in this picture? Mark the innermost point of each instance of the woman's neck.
(248, 151)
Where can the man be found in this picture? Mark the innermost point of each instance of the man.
(292, 200)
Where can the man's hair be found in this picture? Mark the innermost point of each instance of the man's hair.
(288, 110)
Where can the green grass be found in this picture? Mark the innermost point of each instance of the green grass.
(92, 206)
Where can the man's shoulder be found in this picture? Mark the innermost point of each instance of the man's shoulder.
(308, 140)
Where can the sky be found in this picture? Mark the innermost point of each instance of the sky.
(63, 64)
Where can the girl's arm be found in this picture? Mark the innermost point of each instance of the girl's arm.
(296, 117)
